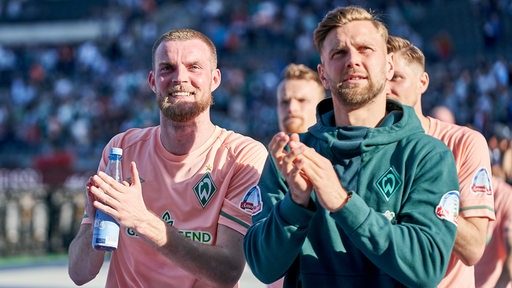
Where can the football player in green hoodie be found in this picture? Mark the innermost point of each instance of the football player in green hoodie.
(364, 198)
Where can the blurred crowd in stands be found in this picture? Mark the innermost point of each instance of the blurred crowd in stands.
(60, 103)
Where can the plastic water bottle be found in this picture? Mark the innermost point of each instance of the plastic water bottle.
(106, 229)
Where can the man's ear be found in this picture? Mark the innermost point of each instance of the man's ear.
(151, 81)
(320, 70)
(390, 66)
(423, 83)
(216, 79)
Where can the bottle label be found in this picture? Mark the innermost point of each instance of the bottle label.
(106, 232)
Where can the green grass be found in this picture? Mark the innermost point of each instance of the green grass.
(20, 261)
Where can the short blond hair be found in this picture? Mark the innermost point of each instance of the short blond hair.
(343, 15)
(183, 35)
(300, 72)
(410, 53)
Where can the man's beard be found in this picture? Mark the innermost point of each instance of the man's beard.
(357, 96)
(295, 126)
(183, 111)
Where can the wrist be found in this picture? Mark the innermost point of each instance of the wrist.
(348, 195)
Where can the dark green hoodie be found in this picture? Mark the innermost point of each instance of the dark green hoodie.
(398, 228)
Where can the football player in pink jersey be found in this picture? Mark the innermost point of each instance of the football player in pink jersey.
(190, 188)
(408, 84)
(494, 269)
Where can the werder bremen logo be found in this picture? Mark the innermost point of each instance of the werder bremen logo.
(205, 189)
(389, 183)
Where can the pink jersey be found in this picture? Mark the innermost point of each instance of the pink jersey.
(211, 186)
(488, 269)
(469, 149)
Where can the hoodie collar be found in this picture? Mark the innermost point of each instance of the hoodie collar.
(399, 122)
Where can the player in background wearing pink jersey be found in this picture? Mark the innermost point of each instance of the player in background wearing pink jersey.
(495, 267)
(191, 185)
(469, 148)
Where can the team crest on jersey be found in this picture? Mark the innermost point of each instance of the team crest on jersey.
(448, 207)
(252, 201)
(205, 189)
(389, 183)
(481, 182)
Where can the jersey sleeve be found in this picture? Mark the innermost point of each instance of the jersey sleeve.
(243, 197)
(474, 171)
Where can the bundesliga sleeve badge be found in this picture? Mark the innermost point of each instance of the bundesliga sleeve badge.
(448, 207)
(252, 201)
(481, 182)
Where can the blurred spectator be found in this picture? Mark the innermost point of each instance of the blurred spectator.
(443, 45)
(492, 30)
(506, 161)
(55, 167)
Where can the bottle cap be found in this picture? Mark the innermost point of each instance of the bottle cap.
(116, 151)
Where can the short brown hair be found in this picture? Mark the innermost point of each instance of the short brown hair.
(342, 15)
(182, 35)
(411, 53)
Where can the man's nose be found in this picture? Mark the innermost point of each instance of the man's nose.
(353, 58)
(180, 75)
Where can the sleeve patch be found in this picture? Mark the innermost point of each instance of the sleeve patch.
(251, 202)
(448, 207)
(481, 182)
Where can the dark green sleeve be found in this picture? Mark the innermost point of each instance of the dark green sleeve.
(278, 232)
(415, 249)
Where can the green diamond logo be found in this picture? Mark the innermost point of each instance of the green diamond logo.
(389, 183)
(205, 189)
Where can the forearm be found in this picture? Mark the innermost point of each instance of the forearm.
(221, 266)
(470, 240)
(84, 261)
(268, 258)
